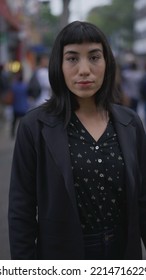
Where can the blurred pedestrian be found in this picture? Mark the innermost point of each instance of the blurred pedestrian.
(130, 84)
(78, 180)
(39, 86)
(4, 89)
(121, 96)
(19, 102)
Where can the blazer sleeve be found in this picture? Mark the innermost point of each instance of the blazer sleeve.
(22, 197)
(141, 146)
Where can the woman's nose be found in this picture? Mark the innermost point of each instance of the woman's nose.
(84, 67)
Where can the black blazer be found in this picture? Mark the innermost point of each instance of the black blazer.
(41, 175)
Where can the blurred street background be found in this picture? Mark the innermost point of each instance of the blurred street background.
(28, 29)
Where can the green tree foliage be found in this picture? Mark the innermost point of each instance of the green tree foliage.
(116, 21)
(49, 25)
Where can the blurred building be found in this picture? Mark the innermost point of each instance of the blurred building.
(19, 28)
(20, 33)
(140, 28)
(9, 33)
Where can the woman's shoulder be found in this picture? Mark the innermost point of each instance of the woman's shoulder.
(32, 115)
(40, 114)
(124, 110)
(125, 115)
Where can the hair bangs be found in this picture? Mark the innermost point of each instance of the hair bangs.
(81, 34)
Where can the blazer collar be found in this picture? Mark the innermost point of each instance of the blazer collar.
(49, 119)
(117, 113)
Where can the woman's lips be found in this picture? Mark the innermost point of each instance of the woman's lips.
(84, 83)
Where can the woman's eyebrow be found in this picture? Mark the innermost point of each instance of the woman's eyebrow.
(71, 52)
(95, 50)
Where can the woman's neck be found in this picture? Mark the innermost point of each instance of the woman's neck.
(95, 120)
(88, 108)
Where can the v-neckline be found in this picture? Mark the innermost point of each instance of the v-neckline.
(88, 133)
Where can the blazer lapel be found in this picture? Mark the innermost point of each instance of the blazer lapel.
(127, 139)
(56, 139)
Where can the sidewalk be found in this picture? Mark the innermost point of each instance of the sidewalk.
(6, 151)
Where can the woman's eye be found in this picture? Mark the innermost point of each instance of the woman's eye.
(72, 59)
(94, 57)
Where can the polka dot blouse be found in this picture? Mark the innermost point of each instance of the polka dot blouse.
(98, 172)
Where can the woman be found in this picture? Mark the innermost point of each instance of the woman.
(78, 183)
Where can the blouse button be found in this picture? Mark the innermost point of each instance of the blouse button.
(99, 160)
(96, 147)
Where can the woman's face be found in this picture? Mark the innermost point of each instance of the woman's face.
(83, 68)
